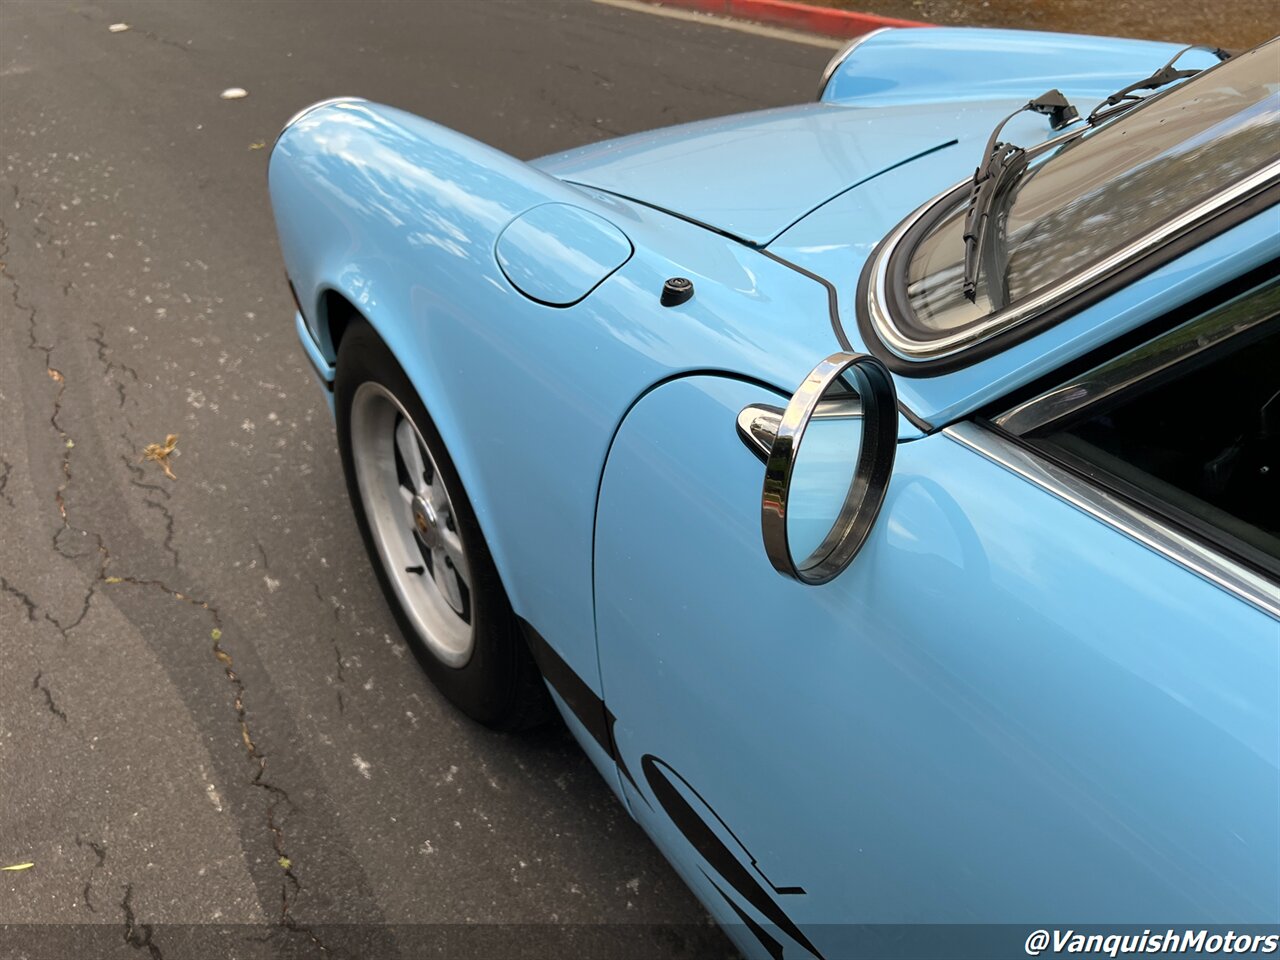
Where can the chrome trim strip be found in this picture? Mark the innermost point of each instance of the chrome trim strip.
(315, 106)
(1137, 525)
(843, 54)
(1160, 353)
(907, 348)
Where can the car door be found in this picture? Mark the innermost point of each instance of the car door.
(1047, 686)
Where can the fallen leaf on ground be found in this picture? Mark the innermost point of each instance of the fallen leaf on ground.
(19, 866)
(118, 27)
(234, 93)
(257, 145)
(114, 580)
(160, 453)
(54, 375)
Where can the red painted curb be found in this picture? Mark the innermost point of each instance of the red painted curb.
(799, 16)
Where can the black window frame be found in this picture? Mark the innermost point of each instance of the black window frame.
(1262, 280)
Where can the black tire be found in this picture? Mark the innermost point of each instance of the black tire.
(499, 686)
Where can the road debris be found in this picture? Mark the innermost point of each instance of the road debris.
(118, 27)
(18, 866)
(160, 453)
(234, 93)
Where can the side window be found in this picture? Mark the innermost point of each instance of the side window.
(1187, 424)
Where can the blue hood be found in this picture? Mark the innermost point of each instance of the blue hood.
(901, 95)
(751, 176)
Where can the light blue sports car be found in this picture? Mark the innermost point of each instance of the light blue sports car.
(979, 623)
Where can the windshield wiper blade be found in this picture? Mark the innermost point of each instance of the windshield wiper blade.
(1124, 98)
(1002, 164)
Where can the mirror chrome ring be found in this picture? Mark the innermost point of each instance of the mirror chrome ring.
(870, 478)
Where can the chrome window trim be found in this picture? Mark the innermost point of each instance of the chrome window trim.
(1136, 524)
(1147, 359)
(843, 54)
(908, 348)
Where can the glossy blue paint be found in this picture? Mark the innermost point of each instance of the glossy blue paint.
(1004, 711)
(319, 362)
(739, 174)
(956, 64)
(401, 216)
(967, 726)
(557, 254)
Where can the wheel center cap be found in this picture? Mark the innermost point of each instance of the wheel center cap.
(427, 522)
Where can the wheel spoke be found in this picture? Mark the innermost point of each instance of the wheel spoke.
(452, 544)
(447, 580)
(407, 444)
(406, 498)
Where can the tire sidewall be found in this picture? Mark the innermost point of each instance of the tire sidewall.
(485, 687)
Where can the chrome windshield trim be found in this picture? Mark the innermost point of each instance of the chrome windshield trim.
(908, 348)
(316, 106)
(843, 54)
(1134, 523)
(1160, 353)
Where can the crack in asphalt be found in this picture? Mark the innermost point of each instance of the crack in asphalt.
(110, 366)
(30, 605)
(84, 612)
(67, 446)
(168, 528)
(137, 935)
(100, 851)
(4, 482)
(48, 697)
(165, 40)
(340, 679)
(15, 291)
(139, 474)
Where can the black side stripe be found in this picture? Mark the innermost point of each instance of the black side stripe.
(713, 850)
(598, 720)
(578, 696)
(761, 934)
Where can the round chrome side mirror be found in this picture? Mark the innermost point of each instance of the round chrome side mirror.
(830, 456)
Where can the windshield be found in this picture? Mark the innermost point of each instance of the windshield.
(1102, 190)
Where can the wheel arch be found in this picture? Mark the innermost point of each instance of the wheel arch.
(403, 239)
(336, 315)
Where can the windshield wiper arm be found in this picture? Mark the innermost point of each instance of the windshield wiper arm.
(1002, 164)
(1124, 98)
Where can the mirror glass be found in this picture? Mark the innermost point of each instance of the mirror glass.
(824, 472)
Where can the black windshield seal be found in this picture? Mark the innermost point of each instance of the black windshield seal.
(885, 276)
(1079, 299)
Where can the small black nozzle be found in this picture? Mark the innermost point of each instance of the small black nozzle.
(676, 291)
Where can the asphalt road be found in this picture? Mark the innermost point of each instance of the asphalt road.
(206, 713)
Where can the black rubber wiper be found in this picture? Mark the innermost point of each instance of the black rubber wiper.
(1126, 97)
(1002, 164)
